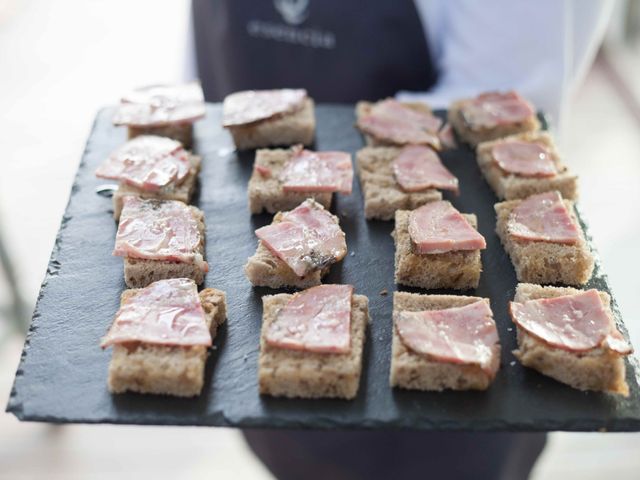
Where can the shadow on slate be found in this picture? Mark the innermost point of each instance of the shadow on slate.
(62, 374)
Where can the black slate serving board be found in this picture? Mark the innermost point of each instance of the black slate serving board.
(62, 374)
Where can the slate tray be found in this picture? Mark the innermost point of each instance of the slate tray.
(62, 374)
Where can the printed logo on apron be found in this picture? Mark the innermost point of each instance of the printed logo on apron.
(294, 12)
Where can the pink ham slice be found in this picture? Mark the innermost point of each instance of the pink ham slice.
(147, 162)
(544, 218)
(437, 227)
(446, 136)
(158, 230)
(167, 312)
(575, 323)
(391, 121)
(159, 105)
(464, 335)
(308, 171)
(418, 168)
(493, 109)
(242, 108)
(308, 238)
(525, 159)
(314, 320)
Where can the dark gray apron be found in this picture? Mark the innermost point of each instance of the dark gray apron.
(343, 51)
(340, 51)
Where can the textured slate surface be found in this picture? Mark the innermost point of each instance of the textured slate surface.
(62, 374)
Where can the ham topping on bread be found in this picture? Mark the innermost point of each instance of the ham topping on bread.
(576, 323)
(242, 108)
(315, 320)
(147, 162)
(159, 105)
(543, 217)
(391, 121)
(167, 312)
(493, 109)
(309, 171)
(158, 230)
(525, 159)
(465, 335)
(307, 238)
(418, 168)
(438, 227)
(447, 137)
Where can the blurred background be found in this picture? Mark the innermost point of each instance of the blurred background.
(61, 61)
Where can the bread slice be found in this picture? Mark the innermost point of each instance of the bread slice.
(459, 270)
(600, 369)
(292, 373)
(181, 192)
(139, 272)
(418, 372)
(545, 262)
(382, 194)
(478, 135)
(265, 190)
(162, 369)
(510, 187)
(180, 131)
(285, 129)
(364, 108)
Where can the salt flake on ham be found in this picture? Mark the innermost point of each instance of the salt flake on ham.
(493, 109)
(525, 159)
(418, 168)
(315, 320)
(462, 335)
(242, 108)
(390, 120)
(543, 217)
(577, 323)
(148, 162)
(167, 312)
(307, 238)
(437, 227)
(158, 105)
(158, 230)
(309, 171)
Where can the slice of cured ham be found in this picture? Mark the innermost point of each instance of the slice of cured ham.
(418, 168)
(391, 121)
(438, 227)
(309, 171)
(465, 335)
(167, 312)
(543, 217)
(147, 162)
(159, 105)
(575, 323)
(525, 159)
(158, 230)
(493, 109)
(314, 320)
(308, 238)
(242, 108)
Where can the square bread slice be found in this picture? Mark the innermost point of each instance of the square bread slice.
(382, 194)
(475, 136)
(292, 373)
(417, 372)
(599, 369)
(180, 131)
(285, 129)
(162, 369)
(182, 192)
(265, 189)
(363, 108)
(545, 262)
(459, 270)
(139, 272)
(510, 187)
